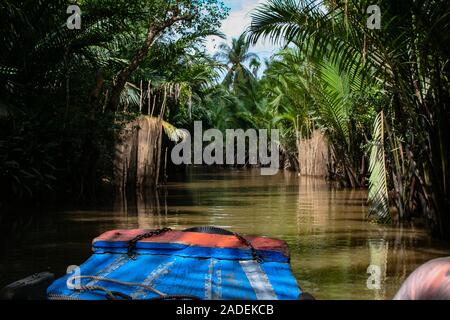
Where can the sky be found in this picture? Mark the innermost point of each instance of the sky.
(236, 23)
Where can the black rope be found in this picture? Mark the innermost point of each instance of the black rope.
(254, 252)
(117, 295)
(110, 295)
(132, 243)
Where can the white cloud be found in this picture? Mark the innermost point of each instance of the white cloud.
(236, 23)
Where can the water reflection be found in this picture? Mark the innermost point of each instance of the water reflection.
(332, 244)
(149, 209)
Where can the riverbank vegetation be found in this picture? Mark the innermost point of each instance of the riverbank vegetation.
(65, 94)
(352, 80)
(379, 97)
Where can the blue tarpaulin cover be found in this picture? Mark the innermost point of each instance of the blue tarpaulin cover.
(176, 263)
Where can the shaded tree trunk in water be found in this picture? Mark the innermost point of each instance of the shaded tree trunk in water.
(314, 155)
(138, 155)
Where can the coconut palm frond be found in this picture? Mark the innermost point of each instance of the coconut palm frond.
(332, 99)
(130, 95)
(378, 191)
(173, 133)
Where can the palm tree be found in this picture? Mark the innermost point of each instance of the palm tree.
(310, 95)
(255, 64)
(235, 57)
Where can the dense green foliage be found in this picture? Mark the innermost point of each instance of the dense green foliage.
(353, 72)
(58, 126)
(335, 74)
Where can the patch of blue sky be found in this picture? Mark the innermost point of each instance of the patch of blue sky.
(236, 23)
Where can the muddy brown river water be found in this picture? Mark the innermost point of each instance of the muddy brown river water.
(332, 244)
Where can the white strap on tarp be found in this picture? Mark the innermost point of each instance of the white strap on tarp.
(258, 280)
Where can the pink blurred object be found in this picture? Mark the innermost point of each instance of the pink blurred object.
(431, 281)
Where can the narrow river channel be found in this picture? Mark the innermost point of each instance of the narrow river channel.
(332, 244)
